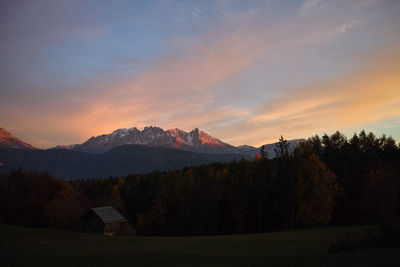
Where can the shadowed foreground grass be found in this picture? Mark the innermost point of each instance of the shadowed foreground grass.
(47, 247)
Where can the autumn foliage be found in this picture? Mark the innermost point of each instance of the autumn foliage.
(38, 199)
(316, 191)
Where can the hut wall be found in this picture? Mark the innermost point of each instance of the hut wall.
(92, 224)
(113, 228)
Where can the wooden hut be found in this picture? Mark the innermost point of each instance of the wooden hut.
(105, 220)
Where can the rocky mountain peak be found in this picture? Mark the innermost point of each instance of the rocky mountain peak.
(7, 140)
(4, 133)
(195, 140)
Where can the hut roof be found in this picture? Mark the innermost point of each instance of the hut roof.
(108, 214)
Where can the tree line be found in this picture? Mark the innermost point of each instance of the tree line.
(328, 180)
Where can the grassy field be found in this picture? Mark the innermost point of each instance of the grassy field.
(47, 247)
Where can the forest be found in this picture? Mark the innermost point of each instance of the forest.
(328, 180)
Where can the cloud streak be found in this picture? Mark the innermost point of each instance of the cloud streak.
(367, 95)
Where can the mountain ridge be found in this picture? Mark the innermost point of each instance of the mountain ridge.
(194, 141)
(7, 140)
(158, 150)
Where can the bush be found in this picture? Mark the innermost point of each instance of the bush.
(383, 236)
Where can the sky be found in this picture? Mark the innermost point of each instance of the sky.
(245, 72)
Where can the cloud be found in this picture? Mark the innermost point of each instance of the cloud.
(342, 29)
(192, 83)
(310, 7)
(368, 95)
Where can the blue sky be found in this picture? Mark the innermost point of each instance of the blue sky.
(244, 71)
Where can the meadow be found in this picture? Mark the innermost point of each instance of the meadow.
(20, 246)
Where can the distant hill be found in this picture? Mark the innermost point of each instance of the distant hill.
(269, 148)
(119, 161)
(7, 140)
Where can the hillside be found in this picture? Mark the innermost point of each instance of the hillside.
(119, 161)
(31, 247)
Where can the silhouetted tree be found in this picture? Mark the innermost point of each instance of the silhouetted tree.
(281, 148)
(380, 201)
(316, 190)
(263, 153)
(115, 199)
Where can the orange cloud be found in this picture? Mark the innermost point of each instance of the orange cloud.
(368, 95)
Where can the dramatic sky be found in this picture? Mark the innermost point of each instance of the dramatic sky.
(243, 71)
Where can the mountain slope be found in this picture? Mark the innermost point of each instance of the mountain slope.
(119, 161)
(7, 140)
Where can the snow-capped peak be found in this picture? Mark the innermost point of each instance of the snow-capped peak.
(154, 136)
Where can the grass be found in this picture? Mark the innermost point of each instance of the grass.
(21, 246)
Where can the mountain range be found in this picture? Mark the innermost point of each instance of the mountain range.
(125, 151)
(194, 141)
